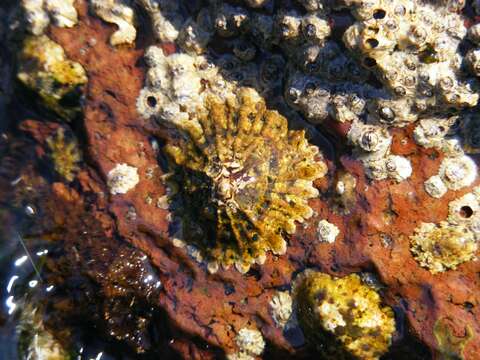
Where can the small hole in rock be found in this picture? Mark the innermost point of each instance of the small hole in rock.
(151, 101)
(466, 212)
(379, 14)
(373, 43)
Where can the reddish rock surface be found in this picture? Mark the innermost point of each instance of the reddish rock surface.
(204, 311)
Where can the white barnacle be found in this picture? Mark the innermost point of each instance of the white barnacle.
(149, 103)
(431, 132)
(62, 12)
(281, 307)
(458, 172)
(398, 167)
(327, 232)
(39, 12)
(464, 209)
(435, 187)
(250, 344)
(117, 12)
(122, 178)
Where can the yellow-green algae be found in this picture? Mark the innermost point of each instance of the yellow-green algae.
(64, 155)
(343, 317)
(450, 346)
(245, 180)
(44, 69)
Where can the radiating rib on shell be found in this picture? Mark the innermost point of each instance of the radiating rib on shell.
(248, 175)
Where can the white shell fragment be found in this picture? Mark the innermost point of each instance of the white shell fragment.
(327, 232)
(122, 178)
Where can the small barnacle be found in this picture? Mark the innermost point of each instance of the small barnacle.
(470, 132)
(35, 16)
(376, 169)
(165, 18)
(442, 247)
(435, 187)
(44, 68)
(244, 50)
(248, 176)
(149, 103)
(472, 60)
(62, 12)
(313, 5)
(39, 12)
(230, 20)
(250, 344)
(391, 112)
(281, 307)
(474, 33)
(64, 154)
(345, 194)
(398, 167)
(194, 37)
(122, 178)
(343, 317)
(271, 71)
(431, 132)
(464, 209)
(372, 141)
(386, 114)
(315, 29)
(327, 232)
(261, 29)
(288, 26)
(458, 172)
(117, 12)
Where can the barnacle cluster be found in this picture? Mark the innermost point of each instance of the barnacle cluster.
(412, 47)
(64, 154)
(177, 85)
(247, 174)
(39, 13)
(457, 170)
(444, 246)
(120, 13)
(372, 147)
(343, 316)
(44, 69)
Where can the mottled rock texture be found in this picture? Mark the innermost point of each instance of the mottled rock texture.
(202, 313)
